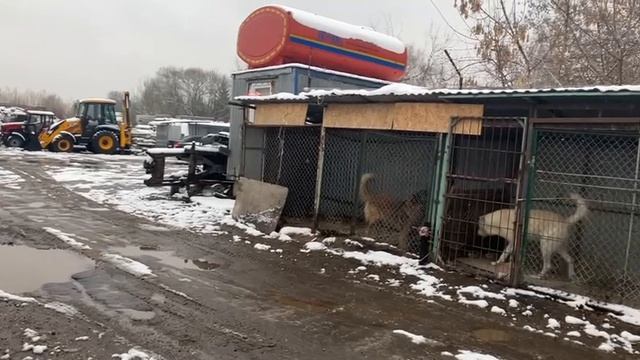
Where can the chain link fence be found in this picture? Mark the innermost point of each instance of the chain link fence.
(601, 247)
(378, 184)
(291, 160)
(483, 176)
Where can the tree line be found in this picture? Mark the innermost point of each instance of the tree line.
(186, 91)
(29, 98)
(171, 91)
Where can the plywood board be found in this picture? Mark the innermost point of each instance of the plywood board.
(359, 116)
(422, 117)
(291, 114)
(435, 117)
(259, 203)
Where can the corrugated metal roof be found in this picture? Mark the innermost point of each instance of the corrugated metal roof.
(404, 92)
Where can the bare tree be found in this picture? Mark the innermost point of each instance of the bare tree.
(428, 65)
(178, 91)
(555, 42)
(505, 42)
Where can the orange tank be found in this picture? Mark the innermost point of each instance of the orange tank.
(275, 35)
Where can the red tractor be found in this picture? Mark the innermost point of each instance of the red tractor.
(12, 134)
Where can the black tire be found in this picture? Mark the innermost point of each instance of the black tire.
(62, 143)
(14, 141)
(104, 142)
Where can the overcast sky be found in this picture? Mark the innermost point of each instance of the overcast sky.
(81, 48)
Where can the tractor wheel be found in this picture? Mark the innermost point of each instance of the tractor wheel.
(14, 141)
(104, 142)
(62, 144)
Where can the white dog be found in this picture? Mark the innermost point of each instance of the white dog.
(551, 228)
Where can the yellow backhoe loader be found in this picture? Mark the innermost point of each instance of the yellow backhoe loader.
(95, 126)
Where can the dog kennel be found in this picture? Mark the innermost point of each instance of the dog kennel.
(524, 150)
(601, 165)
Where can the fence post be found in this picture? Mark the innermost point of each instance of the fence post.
(318, 192)
(361, 158)
(444, 158)
(527, 172)
(634, 199)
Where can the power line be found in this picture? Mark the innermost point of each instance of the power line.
(448, 24)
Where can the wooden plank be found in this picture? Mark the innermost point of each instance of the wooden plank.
(284, 114)
(421, 117)
(435, 117)
(359, 116)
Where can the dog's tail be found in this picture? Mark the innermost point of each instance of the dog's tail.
(581, 209)
(365, 187)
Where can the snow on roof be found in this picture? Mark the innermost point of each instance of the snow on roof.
(40, 112)
(398, 89)
(12, 110)
(313, 68)
(98, 100)
(165, 121)
(345, 30)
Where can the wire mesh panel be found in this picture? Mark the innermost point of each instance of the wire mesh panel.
(582, 229)
(291, 160)
(480, 208)
(378, 183)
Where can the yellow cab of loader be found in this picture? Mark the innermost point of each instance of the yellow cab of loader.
(95, 126)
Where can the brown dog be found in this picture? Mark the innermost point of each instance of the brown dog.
(383, 209)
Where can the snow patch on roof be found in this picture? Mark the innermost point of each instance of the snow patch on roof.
(345, 30)
(399, 89)
(165, 121)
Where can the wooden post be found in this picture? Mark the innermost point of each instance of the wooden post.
(318, 192)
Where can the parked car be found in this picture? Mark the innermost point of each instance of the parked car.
(221, 138)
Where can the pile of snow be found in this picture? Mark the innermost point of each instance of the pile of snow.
(262, 247)
(379, 258)
(478, 292)
(10, 297)
(313, 246)
(62, 308)
(9, 179)
(67, 238)
(628, 314)
(134, 354)
(416, 339)
(128, 265)
(469, 355)
(291, 230)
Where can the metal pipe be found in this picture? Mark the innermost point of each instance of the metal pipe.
(632, 215)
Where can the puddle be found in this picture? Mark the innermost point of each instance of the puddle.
(165, 257)
(24, 268)
(491, 335)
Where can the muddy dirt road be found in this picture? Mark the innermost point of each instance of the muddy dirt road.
(98, 274)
